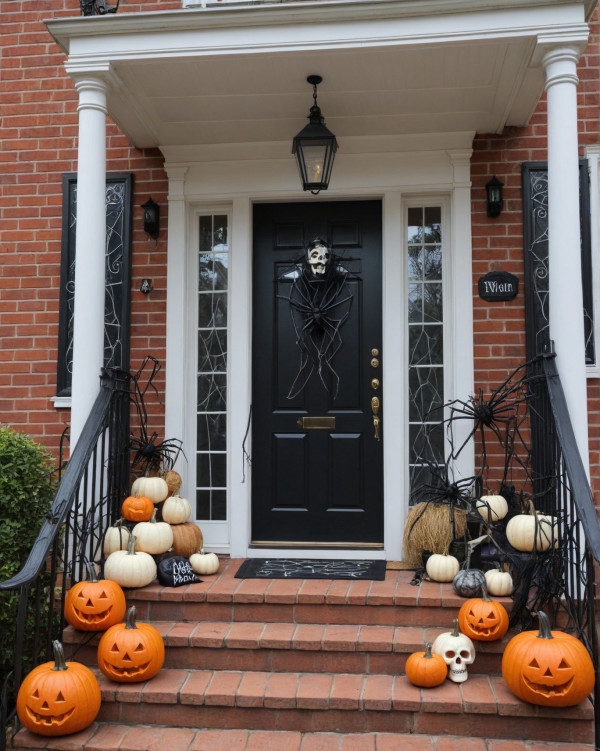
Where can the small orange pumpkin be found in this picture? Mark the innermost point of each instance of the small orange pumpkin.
(426, 669)
(94, 605)
(137, 508)
(548, 668)
(58, 697)
(131, 652)
(482, 618)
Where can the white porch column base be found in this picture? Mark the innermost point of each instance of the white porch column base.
(90, 242)
(564, 244)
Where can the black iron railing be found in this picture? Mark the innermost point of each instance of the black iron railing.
(87, 501)
(561, 488)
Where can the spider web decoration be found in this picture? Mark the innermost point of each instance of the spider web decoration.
(150, 457)
(319, 306)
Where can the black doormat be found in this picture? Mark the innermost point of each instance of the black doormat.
(303, 568)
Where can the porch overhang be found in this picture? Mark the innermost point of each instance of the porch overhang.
(236, 73)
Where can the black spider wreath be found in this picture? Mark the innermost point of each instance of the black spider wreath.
(320, 302)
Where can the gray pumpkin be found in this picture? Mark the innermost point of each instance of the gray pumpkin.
(468, 582)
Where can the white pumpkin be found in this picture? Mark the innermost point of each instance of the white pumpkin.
(532, 532)
(442, 568)
(130, 569)
(176, 510)
(204, 563)
(154, 488)
(499, 583)
(115, 538)
(153, 537)
(492, 508)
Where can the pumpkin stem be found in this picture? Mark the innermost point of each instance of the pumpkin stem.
(59, 656)
(153, 517)
(91, 571)
(427, 652)
(130, 619)
(545, 632)
(131, 545)
(455, 632)
(484, 592)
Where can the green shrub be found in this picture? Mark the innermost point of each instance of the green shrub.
(26, 492)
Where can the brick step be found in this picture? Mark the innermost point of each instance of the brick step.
(279, 647)
(109, 737)
(392, 602)
(325, 702)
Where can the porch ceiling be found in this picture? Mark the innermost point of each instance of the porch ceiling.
(237, 73)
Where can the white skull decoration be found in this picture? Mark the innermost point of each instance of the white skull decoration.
(318, 258)
(458, 652)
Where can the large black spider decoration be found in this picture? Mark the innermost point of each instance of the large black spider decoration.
(150, 457)
(320, 303)
(502, 414)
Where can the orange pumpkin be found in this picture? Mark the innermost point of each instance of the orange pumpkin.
(482, 618)
(131, 652)
(58, 697)
(94, 605)
(549, 668)
(187, 539)
(137, 508)
(426, 669)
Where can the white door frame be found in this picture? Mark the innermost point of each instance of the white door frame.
(196, 187)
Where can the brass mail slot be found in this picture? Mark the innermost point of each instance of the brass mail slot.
(316, 423)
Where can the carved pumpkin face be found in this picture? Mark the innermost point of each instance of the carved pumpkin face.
(483, 619)
(129, 653)
(95, 605)
(58, 698)
(550, 668)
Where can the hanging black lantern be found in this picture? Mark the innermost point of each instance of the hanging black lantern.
(315, 147)
(494, 197)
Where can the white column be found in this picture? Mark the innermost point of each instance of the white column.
(459, 375)
(564, 246)
(90, 243)
(179, 359)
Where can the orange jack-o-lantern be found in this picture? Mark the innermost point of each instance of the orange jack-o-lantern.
(94, 605)
(550, 668)
(137, 508)
(482, 618)
(131, 652)
(58, 698)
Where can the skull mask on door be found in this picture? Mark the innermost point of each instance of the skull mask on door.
(318, 256)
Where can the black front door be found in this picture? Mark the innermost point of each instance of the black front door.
(317, 415)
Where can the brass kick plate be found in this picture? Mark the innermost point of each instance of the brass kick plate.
(316, 423)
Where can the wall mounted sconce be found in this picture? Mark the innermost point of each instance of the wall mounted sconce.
(315, 147)
(146, 286)
(151, 218)
(493, 191)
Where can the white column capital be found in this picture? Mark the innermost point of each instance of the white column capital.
(92, 93)
(560, 65)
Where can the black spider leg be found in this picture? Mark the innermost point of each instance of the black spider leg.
(138, 396)
(306, 362)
